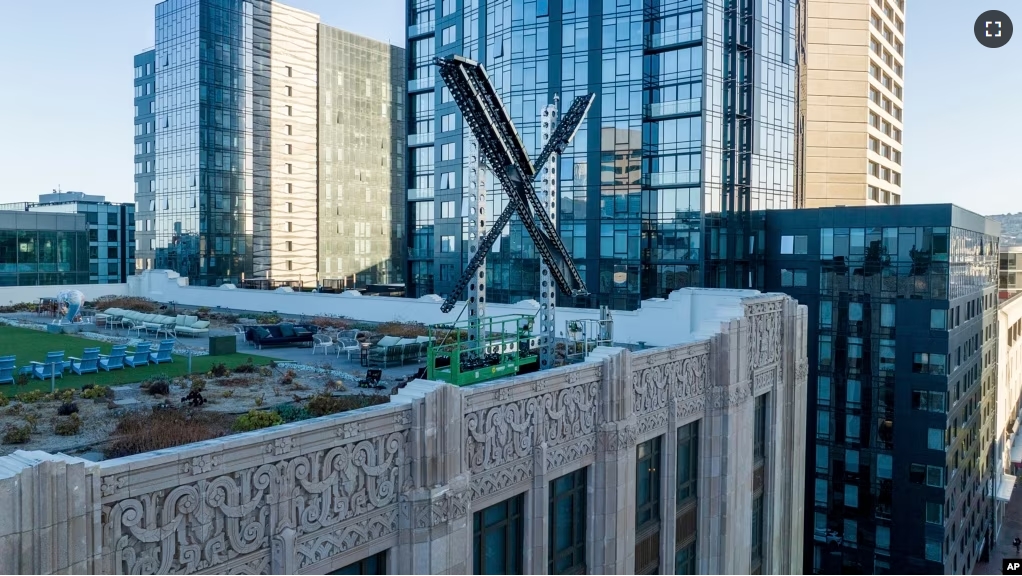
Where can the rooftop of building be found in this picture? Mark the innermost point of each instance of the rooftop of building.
(897, 215)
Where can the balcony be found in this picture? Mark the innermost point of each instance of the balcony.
(672, 178)
(420, 194)
(674, 108)
(423, 139)
(674, 38)
(421, 84)
(416, 30)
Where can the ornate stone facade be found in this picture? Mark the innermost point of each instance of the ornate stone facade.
(407, 477)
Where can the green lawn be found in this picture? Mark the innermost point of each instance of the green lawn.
(32, 345)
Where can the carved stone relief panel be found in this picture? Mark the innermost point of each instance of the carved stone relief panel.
(764, 381)
(764, 337)
(211, 522)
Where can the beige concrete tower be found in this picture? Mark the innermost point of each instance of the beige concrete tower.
(855, 90)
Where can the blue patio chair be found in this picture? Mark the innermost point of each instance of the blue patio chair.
(139, 356)
(53, 366)
(114, 360)
(87, 364)
(162, 354)
(7, 369)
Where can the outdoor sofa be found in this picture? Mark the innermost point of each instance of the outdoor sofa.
(279, 335)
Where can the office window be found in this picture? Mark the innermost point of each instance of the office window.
(288, 246)
(497, 538)
(288, 110)
(447, 209)
(290, 265)
(568, 524)
(826, 313)
(375, 564)
(447, 152)
(853, 391)
(287, 149)
(852, 461)
(935, 476)
(851, 532)
(934, 513)
(938, 319)
(449, 7)
(822, 459)
(929, 401)
(447, 244)
(851, 496)
(935, 439)
(287, 91)
(885, 466)
(289, 206)
(289, 168)
(883, 537)
(447, 123)
(934, 550)
(826, 350)
(449, 35)
(823, 425)
(288, 71)
(853, 430)
(647, 507)
(757, 535)
(823, 390)
(686, 492)
(447, 181)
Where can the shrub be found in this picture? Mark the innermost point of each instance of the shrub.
(202, 313)
(288, 378)
(138, 432)
(158, 385)
(323, 404)
(20, 307)
(260, 400)
(293, 413)
(93, 392)
(22, 380)
(247, 368)
(3, 400)
(67, 409)
(194, 398)
(339, 323)
(219, 370)
(198, 384)
(335, 385)
(237, 381)
(256, 419)
(268, 319)
(15, 434)
(128, 303)
(31, 397)
(32, 418)
(227, 393)
(265, 371)
(67, 425)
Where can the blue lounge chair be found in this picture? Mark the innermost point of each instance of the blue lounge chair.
(139, 356)
(162, 354)
(7, 369)
(114, 360)
(87, 364)
(53, 366)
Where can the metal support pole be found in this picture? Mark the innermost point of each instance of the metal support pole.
(474, 213)
(548, 199)
(53, 377)
(189, 361)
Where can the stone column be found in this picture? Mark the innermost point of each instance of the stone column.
(668, 490)
(537, 555)
(612, 537)
(435, 532)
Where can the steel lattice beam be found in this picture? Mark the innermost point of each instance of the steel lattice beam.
(506, 156)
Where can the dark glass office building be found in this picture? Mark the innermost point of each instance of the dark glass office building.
(902, 353)
(693, 127)
(194, 183)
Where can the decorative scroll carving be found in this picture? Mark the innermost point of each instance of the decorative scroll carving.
(651, 422)
(333, 542)
(764, 340)
(690, 406)
(502, 434)
(207, 523)
(450, 506)
(732, 396)
(763, 381)
(502, 478)
(802, 372)
(653, 386)
(616, 439)
(570, 452)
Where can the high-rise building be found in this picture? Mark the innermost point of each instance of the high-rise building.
(230, 170)
(902, 349)
(95, 246)
(1010, 272)
(694, 126)
(855, 80)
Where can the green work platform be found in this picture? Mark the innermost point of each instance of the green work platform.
(481, 349)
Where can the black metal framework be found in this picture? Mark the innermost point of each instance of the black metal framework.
(497, 538)
(568, 524)
(503, 152)
(647, 507)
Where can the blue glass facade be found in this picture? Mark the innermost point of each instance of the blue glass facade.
(693, 127)
(902, 351)
(197, 215)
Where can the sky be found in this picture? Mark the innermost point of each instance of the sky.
(66, 110)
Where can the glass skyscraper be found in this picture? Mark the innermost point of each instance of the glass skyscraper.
(230, 168)
(694, 125)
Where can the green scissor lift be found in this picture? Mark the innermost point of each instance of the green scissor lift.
(482, 349)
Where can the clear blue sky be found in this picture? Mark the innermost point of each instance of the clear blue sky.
(66, 109)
